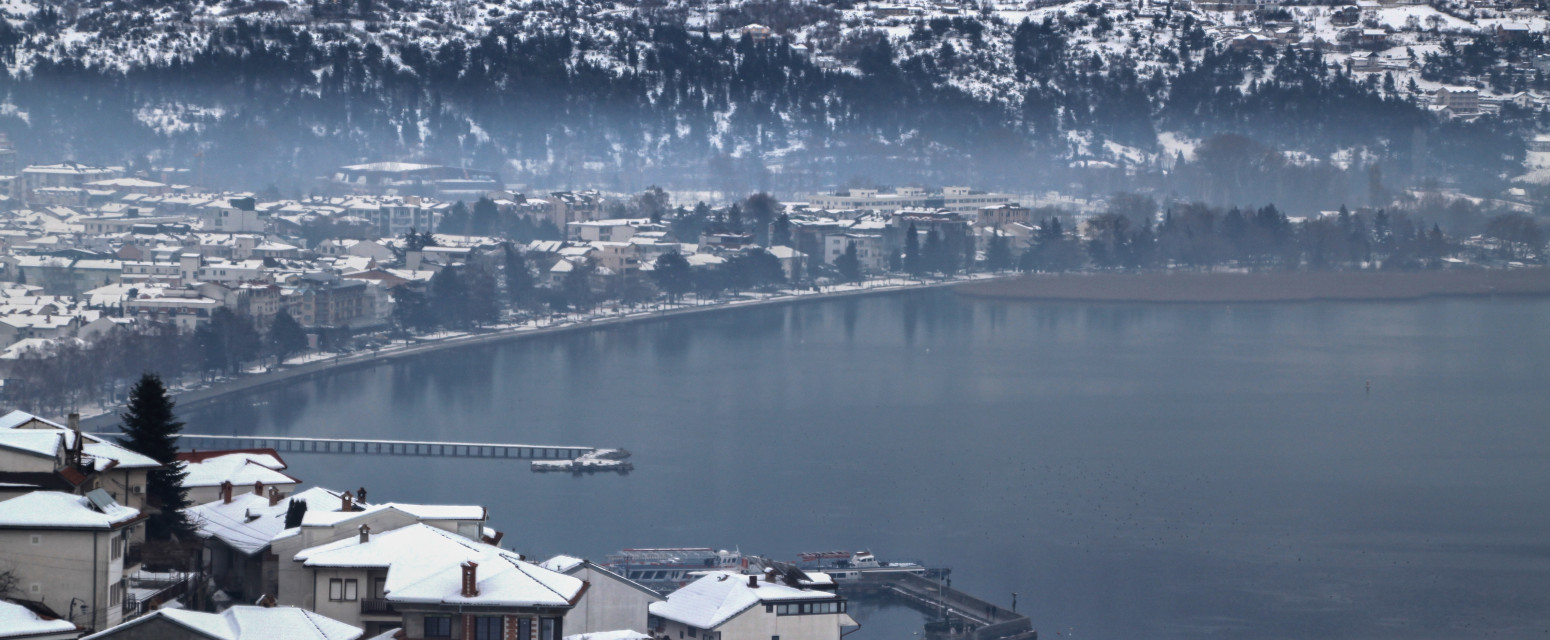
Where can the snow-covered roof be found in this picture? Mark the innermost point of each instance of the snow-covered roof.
(17, 621)
(102, 451)
(424, 564)
(721, 595)
(244, 622)
(248, 523)
(390, 167)
(562, 563)
(623, 634)
(59, 510)
(240, 469)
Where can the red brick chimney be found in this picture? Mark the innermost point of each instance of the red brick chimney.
(753, 582)
(470, 579)
(274, 496)
(226, 491)
(258, 487)
(344, 501)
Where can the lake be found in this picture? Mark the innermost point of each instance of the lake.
(1166, 471)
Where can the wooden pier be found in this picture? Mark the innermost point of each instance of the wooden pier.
(194, 442)
(958, 614)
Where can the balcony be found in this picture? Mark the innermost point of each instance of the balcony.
(377, 607)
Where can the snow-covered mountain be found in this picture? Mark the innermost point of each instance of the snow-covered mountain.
(768, 93)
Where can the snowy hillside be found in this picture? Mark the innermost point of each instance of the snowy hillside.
(762, 93)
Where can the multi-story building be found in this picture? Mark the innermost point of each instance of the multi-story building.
(956, 199)
(69, 550)
(437, 584)
(723, 605)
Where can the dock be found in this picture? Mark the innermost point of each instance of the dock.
(195, 441)
(959, 615)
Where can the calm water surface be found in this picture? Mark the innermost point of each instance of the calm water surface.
(1128, 471)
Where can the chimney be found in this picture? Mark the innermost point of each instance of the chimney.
(73, 455)
(365, 533)
(769, 575)
(258, 487)
(753, 582)
(360, 495)
(266, 601)
(274, 496)
(470, 579)
(344, 501)
(226, 491)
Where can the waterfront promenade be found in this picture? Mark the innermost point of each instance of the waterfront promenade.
(313, 364)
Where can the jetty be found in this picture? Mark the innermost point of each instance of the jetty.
(958, 615)
(196, 441)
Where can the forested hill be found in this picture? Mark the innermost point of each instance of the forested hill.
(621, 95)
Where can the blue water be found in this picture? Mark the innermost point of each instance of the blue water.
(1164, 471)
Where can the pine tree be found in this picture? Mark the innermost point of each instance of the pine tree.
(519, 278)
(151, 429)
(912, 262)
(849, 264)
(285, 336)
(294, 513)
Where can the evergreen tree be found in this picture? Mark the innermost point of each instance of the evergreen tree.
(285, 336)
(780, 235)
(485, 216)
(672, 273)
(932, 253)
(482, 304)
(412, 310)
(295, 512)
(450, 298)
(998, 254)
(151, 429)
(519, 278)
(913, 264)
(413, 241)
(849, 264)
(458, 220)
(576, 286)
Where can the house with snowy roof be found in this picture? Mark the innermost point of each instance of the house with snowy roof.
(37, 454)
(28, 620)
(611, 601)
(241, 470)
(433, 583)
(244, 622)
(69, 550)
(723, 605)
(321, 526)
(237, 529)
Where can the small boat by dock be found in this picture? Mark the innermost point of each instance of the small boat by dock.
(590, 462)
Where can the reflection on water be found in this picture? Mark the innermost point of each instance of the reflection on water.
(1129, 470)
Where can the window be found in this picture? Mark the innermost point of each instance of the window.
(549, 629)
(341, 589)
(524, 629)
(488, 628)
(693, 633)
(438, 626)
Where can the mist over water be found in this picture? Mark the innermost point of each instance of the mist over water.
(1129, 471)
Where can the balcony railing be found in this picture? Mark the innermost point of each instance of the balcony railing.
(378, 607)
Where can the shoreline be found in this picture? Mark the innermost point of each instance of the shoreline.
(193, 397)
(1262, 288)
